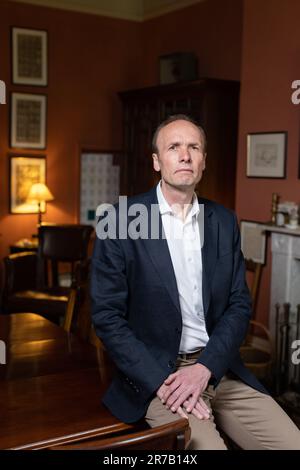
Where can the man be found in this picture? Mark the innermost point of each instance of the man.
(173, 316)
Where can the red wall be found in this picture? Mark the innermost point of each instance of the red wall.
(270, 62)
(90, 59)
(212, 29)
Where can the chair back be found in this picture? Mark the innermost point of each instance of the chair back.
(171, 436)
(20, 271)
(255, 269)
(62, 243)
(257, 349)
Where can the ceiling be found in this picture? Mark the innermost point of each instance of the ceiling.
(136, 10)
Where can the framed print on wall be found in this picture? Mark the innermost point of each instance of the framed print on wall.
(28, 121)
(266, 154)
(29, 57)
(99, 181)
(24, 172)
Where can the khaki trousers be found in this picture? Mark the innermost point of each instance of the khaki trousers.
(250, 418)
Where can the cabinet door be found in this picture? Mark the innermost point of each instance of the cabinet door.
(212, 103)
(220, 121)
(140, 122)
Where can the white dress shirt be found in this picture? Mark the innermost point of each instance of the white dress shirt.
(183, 238)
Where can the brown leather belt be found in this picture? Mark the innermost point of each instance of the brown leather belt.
(192, 355)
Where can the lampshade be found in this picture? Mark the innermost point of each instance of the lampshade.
(39, 193)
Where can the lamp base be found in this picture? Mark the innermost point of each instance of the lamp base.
(39, 215)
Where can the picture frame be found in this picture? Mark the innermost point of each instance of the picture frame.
(266, 154)
(253, 240)
(28, 121)
(178, 67)
(29, 56)
(24, 171)
(99, 181)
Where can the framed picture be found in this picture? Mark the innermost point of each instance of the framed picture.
(99, 181)
(28, 121)
(29, 57)
(24, 172)
(253, 241)
(178, 67)
(266, 155)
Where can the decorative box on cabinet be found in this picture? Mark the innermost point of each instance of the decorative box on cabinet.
(213, 103)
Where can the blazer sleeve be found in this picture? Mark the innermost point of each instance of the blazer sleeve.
(230, 331)
(109, 294)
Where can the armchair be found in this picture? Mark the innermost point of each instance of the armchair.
(26, 280)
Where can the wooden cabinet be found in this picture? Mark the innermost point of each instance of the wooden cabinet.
(213, 103)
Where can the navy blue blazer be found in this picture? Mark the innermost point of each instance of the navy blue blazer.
(136, 310)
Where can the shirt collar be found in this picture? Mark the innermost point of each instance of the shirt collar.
(165, 208)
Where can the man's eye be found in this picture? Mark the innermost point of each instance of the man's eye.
(196, 147)
(173, 147)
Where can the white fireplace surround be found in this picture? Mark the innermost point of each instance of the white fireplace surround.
(285, 281)
(285, 248)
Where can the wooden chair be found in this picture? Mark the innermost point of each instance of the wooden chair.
(172, 436)
(84, 327)
(255, 269)
(70, 308)
(62, 244)
(26, 284)
(257, 349)
(21, 273)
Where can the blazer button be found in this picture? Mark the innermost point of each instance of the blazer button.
(177, 330)
(170, 364)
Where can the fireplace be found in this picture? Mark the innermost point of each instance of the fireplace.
(284, 314)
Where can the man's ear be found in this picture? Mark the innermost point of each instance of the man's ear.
(156, 164)
(204, 162)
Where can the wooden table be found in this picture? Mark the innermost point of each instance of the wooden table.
(51, 386)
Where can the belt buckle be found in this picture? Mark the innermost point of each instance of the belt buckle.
(192, 355)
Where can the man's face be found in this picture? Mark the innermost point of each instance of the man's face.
(180, 158)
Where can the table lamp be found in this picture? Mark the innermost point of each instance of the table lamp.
(39, 193)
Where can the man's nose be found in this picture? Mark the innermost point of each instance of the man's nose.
(184, 154)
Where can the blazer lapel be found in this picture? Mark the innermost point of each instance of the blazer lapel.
(158, 251)
(209, 254)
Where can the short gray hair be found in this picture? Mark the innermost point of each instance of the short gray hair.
(173, 118)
